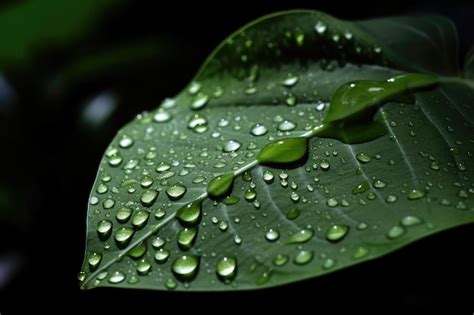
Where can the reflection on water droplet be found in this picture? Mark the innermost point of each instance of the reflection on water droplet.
(337, 232)
(272, 235)
(226, 268)
(290, 81)
(411, 220)
(125, 142)
(303, 257)
(185, 267)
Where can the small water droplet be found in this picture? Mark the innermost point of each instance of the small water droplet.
(324, 165)
(104, 228)
(280, 260)
(161, 116)
(290, 81)
(268, 176)
(328, 263)
(293, 213)
(125, 142)
(411, 220)
(158, 242)
(200, 101)
(94, 260)
(361, 188)
(250, 194)
(161, 256)
(331, 202)
(286, 125)
(197, 123)
(320, 27)
(363, 158)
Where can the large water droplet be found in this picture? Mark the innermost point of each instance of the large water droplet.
(123, 236)
(268, 176)
(287, 150)
(138, 251)
(187, 237)
(337, 232)
(301, 236)
(220, 186)
(94, 261)
(272, 235)
(231, 146)
(148, 197)
(190, 214)
(259, 130)
(104, 228)
(226, 268)
(176, 191)
(143, 267)
(161, 256)
(117, 277)
(185, 267)
(303, 257)
(140, 218)
(415, 194)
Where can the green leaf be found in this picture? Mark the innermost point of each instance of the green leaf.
(257, 175)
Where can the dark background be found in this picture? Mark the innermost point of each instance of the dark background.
(50, 153)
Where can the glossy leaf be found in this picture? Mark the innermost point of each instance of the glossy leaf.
(259, 210)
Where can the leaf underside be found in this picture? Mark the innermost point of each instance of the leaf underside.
(274, 79)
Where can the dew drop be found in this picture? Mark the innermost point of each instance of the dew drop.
(200, 101)
(361, 188)
(226, 268)
(158, 242)
(104, 228)
(337, 232)
(161, 116)
(363, 158)
(161, 256)
(272, 235)
(94, 261)
(197, 123)
(411, 220)
(259, 130)
(126, 142)
(293, 213)
(415, 194)
(303, 257)
(290, 81)
(395, 231)
(148, 197)
(220, 185)
(117, 277)
(320, 27)
(268, 176)
(187, 237)
(231, 146)
(286, 150)
(190, 214)
(140, 218)
(280, 260)
(301, 236)
(185, 267)
(143, 267)
(176, 191)
(123, 236)
(286, 125)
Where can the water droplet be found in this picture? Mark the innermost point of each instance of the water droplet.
(360, 252)
(126, 142)
(361, 188)
(158, 242)
(324, 165)
(143, 267)
(415, 194)
(259, 130)
(286, 125)
(320, 27)
(290, 81)
(187, 237)
(411, 220)
(301, 236)
(94, 261)
(226, 268)
(328, 263)
(108, 204)
(291, 100)
(337, 232)
(363, 158)
(185, 267)
(117, 277)
(140, 218)
(148, 197)
(200, 101)
(161, 116)
(176, 191)
(161, 256)
(331, 202)
(104, 228)
(379, 184)
(162, 167)
(286, 150)
(272, 235)
(268, 176)
(197, 123)
(138, 251)
(293, 214)
(115, 160)
(190, 214)
(220, 186)
(395, 232)
(146, 182)
(280, 260)
(194, 88)
(231, 146)
(123, 236)
(391, 199)
(303, 257)
(250, 194)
